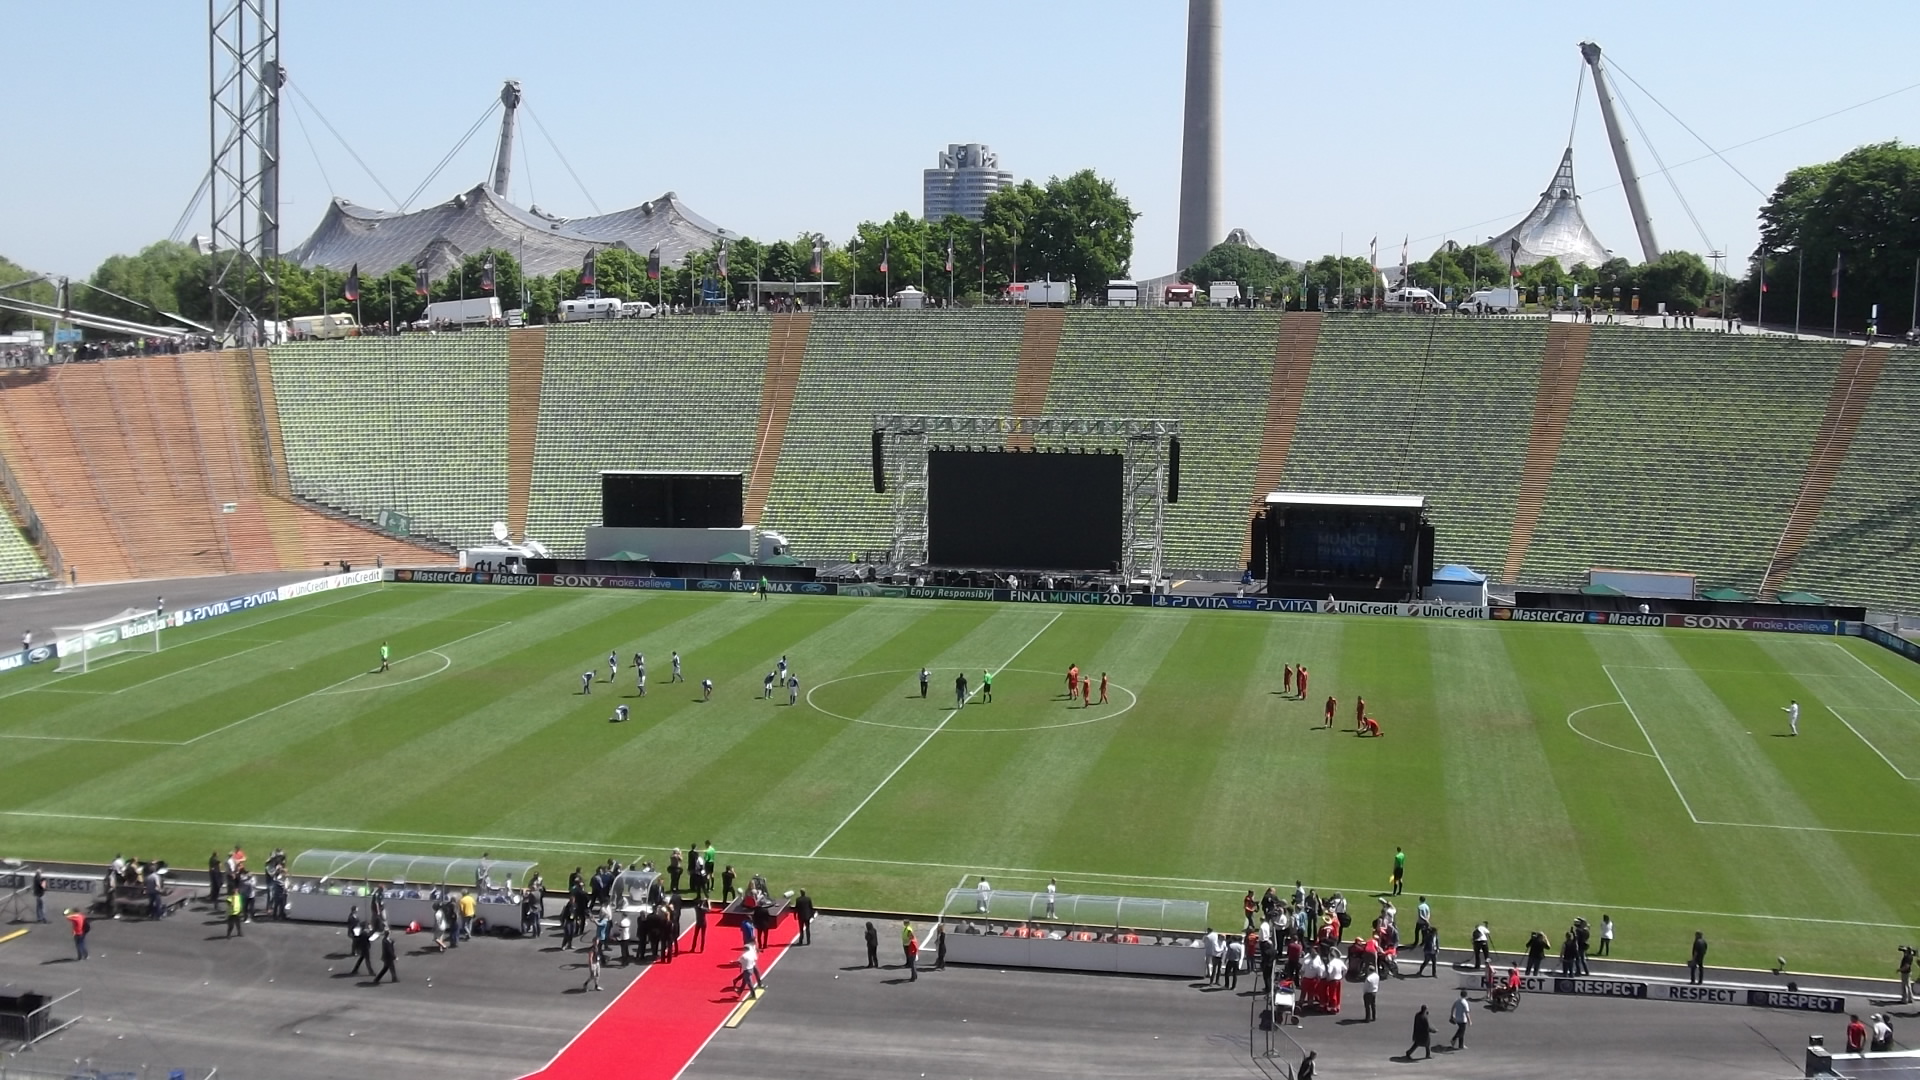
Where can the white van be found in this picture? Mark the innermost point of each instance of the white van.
(1495, 301)
(1412, 299)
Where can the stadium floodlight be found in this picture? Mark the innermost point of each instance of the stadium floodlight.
(130, 631)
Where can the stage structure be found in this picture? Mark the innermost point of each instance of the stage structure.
(244, 78)
(902, 442)
(1376, 548)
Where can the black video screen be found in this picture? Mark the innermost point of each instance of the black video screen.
(994, 510)
(653, 500)
(1353, 543)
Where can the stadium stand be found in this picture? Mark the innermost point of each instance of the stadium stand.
(860, 363)
(1039, 351)
(786, 352)
(1292, 362)
(526, 366)
(415, 424)
(1865, 546)
(1423, 406)
(18, 559)
(674, 393)
(1684, 451)
(1135, 363)
(1559, 379)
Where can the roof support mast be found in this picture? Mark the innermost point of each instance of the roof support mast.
(503, 158)
(1630, 180)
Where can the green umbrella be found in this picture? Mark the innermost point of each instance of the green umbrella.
(1801, 598)
(627, 556)
(780, 560)
(730, 557)
(1734, 595)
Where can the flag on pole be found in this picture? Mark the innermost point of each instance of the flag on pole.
(486, 274)
(886, 248)
(949, 254)
(1373, 254)
(720, 263)
(422, 285)
(815, 266)
(983, 251)
(1405, 269)
(1513, 258)
(1836, 276)
(653, 265)
(587, 268)
(352, 291)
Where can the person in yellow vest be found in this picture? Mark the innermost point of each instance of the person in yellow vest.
(235, 908)
(468, 906)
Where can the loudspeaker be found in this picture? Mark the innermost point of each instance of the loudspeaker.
(879, 466)
(1258, 563)
(1423, 561)
(1173, 469)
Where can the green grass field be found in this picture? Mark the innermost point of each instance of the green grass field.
(1533, 773)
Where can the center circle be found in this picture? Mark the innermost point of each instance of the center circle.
(1132, 700)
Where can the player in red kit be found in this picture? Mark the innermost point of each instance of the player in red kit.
(1086, 693)
(1368, 727)
(1359, 710)
(1073, 681)
(1330, 704)
(1300, 681)
(1103, 688)
(1286, 681)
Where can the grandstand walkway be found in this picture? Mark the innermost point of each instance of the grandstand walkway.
(786, 349)
(1853, 387)
(265, 418)
(1560, 364)
(526, 360)
(1039, 348)
(1292, 361)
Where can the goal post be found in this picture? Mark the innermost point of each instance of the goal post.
(132, 630)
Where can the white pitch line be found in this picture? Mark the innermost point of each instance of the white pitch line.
(923, 742)
(195, 667)
(1602, 742)
(1235, 887)
(1856, 734)
(1650, 744)
(317, 693)
(1876, 674)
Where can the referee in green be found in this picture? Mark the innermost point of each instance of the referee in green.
(986, 686)
(386, 656)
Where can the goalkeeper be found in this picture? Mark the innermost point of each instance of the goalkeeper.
(386, 656)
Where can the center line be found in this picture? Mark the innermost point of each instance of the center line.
(923, 742)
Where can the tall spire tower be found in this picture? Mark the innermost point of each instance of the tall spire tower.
(1200, 215)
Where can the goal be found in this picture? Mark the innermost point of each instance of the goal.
(130, 631)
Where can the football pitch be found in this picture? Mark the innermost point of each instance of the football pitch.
(1532, 773)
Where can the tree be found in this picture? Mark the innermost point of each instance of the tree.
(1338, 279)
(467, 279)
(1077, 228)
(1863, 209)
(161, 278)
(43, 292)
(1464, 269)
(1260, 273)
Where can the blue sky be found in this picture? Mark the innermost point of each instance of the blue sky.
(1342, 121)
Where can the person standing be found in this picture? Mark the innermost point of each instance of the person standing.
(613, 665)
(1399, 860)
(906, 942)
(1882, 1038)
(1422, 918)
(1286, 681)
(1300, 681)
(1308, 1066)
(677, 677)
(593, 968)
(700, 909)
(1053, 897)
(803, 911)
(386, 656)
(81, 927)
(1906, 974)
(676, 865)
(1697, 959)
(1235, 958)
(39, 897)
(749, 980)
(793, 689)
(986, 687)
(766, 688)
(1462, 1017)
(1331, 702)
(1359, 710)
(1103, 688)
(1482, 944)
(726, 885)
(1422, 1034)
(1429, 952)
(873, 946)
(1371, 996)
(926, 677)
(235, 907)
(386, 959)
(960, 691)
(1536, 952)
(1073, 681)
(1086, 693)
(360, 935)
(215, 874)
(1856, 1035)
(1606, 936)
(1582, 941)
(913, 956)
(1216, 955)
(469, 907)
(1793, 717)
(586, 682)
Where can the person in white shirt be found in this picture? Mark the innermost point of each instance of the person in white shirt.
(1216, 955)
(1606, 935)
(1793, 717)
(1336, 968)
(1053, 895)
(1371, 997)
(1462, 1016)
(986, 895)
(1422, 921)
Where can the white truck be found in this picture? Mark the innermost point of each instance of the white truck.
(1223, 292)
(1410, 298)
(605, 307)
(1045, 294)
(1123, 293)
(1492, 301)
(322, 326)
(480, 311)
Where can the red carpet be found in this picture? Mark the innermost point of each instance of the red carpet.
(655, 1027)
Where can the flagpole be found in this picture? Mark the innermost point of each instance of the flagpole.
(1799, 279)
(1760, 313)
(1836, 294)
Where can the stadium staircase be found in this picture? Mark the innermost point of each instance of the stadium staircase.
(1039, 349)
(678, 393)
(1209, 368)
(1432, 406)
(1559, 377)
(786, 351)
(526, 359)
(1292, 361)
(44, 452)
(859, 363)
(1853, 388)
(1864, 546)
(1683, 451)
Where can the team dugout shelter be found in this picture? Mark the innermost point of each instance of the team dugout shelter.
(1313, 545)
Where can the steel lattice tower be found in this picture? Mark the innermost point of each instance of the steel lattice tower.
(244, 77)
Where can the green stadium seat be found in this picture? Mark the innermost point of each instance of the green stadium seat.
(18, 559)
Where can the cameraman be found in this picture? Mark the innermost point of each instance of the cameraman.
(1906, 974)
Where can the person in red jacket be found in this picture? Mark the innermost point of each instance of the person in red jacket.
(1300, 681)
(1856, 1035)
(1286, 681)
(1086, 693)
(80, 928)
(1330, 704)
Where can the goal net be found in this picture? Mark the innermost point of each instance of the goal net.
(132, 630)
